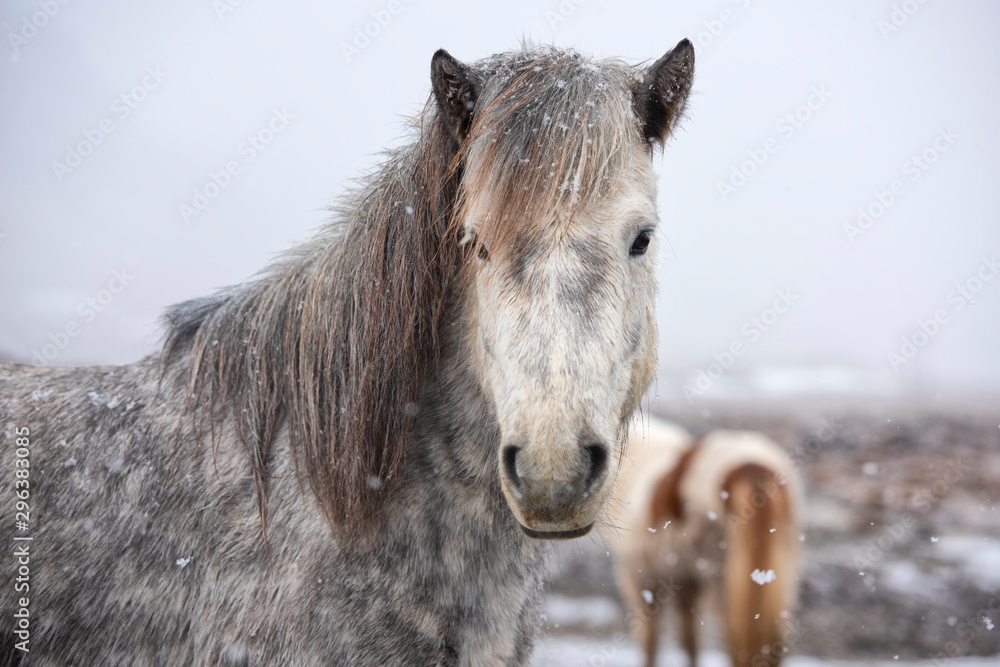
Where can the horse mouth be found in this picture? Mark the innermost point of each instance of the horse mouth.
(556, 534)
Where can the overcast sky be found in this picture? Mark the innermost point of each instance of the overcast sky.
(802, 116)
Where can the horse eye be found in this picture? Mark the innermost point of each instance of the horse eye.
(471, 239)
(640, 244)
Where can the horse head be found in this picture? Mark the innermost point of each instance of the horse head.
(557, 212)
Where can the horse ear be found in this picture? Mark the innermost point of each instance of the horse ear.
(456, 89)
(661, 93)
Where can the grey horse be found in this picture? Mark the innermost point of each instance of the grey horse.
(357, 456)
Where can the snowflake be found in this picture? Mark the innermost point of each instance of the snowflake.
(763, 577)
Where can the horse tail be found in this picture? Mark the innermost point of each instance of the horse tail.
(761, 568)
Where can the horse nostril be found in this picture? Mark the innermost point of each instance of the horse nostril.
(510, 466)
(598, 459)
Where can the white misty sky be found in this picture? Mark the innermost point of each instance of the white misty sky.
(206, 82)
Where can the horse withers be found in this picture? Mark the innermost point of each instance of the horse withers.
(350, 458)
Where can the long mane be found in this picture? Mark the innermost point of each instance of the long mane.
(338, 339)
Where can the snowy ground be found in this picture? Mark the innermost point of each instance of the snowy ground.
(902, 548)
(578, 652)
(588, 645)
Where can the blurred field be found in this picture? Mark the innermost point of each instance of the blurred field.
(902, 541)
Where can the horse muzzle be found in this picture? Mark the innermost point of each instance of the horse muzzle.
(552, 503)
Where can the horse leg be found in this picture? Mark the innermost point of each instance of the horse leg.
(649, 629)
(687, 605)
(642, 616)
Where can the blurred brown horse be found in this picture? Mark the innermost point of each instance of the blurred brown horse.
(690, 514)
